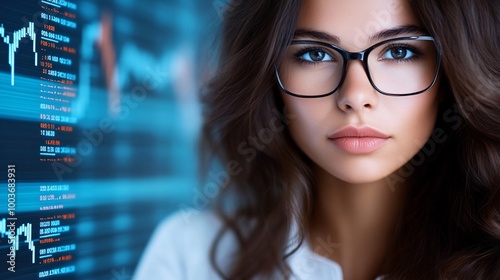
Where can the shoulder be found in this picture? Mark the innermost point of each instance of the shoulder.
(191, 224)
(180, 247)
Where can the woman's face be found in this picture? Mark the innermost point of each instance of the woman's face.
(330, 130)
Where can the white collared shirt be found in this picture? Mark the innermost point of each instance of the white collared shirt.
(180, 250)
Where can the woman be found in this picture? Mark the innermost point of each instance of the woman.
(357, 139)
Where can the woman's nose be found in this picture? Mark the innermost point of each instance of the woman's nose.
(356, 92)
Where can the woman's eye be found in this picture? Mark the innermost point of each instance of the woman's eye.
(398, 53)
(316, 56)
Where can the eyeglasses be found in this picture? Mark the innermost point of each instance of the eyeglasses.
(397, 67)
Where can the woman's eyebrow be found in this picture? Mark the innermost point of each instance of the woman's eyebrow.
(407, 30)
(404, 30)
(317, 35)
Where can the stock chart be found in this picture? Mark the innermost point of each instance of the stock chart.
(99, 123)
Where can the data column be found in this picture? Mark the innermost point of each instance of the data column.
(40, 42)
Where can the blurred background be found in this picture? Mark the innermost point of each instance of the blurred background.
(99, 124)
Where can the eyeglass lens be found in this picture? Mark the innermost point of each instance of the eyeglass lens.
(395, 67)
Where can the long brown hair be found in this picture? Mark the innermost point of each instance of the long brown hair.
(451, 223)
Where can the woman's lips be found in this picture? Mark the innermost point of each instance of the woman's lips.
(358, 140)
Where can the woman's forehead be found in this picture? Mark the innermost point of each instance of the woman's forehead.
(354, 22)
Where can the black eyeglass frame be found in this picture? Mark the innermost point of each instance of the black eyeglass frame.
(363, 57)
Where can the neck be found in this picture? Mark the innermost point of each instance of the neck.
(358, 221)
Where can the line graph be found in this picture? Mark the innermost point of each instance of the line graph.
(17, 36)
(24, 230)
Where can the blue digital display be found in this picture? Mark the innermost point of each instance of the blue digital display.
(99, 122)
